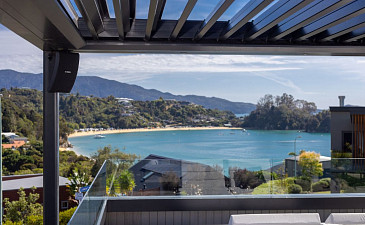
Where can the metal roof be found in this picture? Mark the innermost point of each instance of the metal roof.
(28, 183)
(288, 27)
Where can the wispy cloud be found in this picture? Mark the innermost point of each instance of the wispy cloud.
(17, 54)
(143, 66)
(284, 82)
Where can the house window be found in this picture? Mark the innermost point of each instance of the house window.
(64, 204)
(347, 142)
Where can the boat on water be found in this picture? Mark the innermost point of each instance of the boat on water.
(244, 130)
(99, 136)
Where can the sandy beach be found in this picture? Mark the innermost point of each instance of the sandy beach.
(118, 131)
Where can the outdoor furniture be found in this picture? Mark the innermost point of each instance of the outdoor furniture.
(346, 218)
(270, 219)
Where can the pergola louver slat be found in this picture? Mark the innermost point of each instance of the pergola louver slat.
(306, 15)
(91, 14)
(122, 16)
(72, 9)
(184, 16)
(275, 14)
(154, 16)
(250, 10)
(339, 16)
(344, 28)
(160, 7)
(221, 7)
(354, 35)
(103, 9)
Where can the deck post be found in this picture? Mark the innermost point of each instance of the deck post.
(50, 146)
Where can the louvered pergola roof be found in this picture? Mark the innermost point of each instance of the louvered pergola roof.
(288, 27)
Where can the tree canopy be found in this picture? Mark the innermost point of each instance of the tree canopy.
(286, 113)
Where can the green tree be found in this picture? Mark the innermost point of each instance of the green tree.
(170, 181)
(19, 211)
(124, 160)
(311, 165)
(78, 180)
(126, 182)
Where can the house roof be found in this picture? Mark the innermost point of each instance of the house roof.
(350, 109)
(192, 175)
(321, 158)
(28, 183)
(295, 27)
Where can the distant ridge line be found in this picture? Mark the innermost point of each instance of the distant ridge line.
(96, 86)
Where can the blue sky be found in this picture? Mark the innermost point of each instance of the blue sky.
(236, 78)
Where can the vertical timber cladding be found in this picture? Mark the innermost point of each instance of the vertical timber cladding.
(358, 136)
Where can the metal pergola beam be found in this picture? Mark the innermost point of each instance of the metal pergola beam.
(44, 23)
(184, 16)
(251, 9)
(220, 8)
(275, 14)
(306, 15)
(339, 16)
(204, 48)
(343, 28)
(29, 33)
(91, 14)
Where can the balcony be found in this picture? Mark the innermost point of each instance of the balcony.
(203, 194)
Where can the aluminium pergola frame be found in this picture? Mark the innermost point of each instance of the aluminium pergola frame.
(288, 27)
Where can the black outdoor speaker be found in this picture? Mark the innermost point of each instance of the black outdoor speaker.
(63, 71)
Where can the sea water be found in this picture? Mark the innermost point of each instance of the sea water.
(253, 149)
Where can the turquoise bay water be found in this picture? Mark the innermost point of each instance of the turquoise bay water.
(253, 149)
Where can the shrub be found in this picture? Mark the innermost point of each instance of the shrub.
(8, 222)
(294, 189)
(244, 178)
(66, 215)
(322, 185)
(28, 166)
(35, 220)
(305, 184)
(22, 172)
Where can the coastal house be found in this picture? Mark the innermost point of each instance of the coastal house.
(11, 185)
(287, 27)
(15, 142)
(348, 148)
(290, 168)
(159, 175)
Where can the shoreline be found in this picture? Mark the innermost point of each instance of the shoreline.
(120, 131)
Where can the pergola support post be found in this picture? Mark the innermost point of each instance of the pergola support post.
(50, 146)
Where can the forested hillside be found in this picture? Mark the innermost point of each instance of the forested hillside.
(286, 113)
(22, 113)
(108, 112)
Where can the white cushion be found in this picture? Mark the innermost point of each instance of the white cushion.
(346, 218)
(276, 219)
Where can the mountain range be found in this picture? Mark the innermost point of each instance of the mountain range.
(100, 87)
